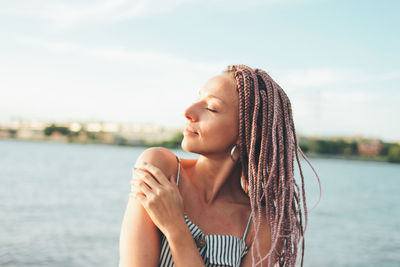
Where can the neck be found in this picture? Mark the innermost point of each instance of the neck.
(216, 178)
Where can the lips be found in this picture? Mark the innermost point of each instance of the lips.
(190, 130)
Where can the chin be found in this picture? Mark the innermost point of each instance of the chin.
(185, 146)
(189, 146)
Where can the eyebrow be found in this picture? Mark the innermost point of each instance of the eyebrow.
(215, 97)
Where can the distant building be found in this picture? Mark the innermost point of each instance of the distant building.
(5, 134)
(370, 147)
(89, 131)
(58, 137)
(29, 134)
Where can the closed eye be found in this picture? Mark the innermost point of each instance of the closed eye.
(212, 110)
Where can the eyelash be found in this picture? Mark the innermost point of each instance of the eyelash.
(212, 110)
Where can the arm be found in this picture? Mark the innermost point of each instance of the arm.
(183, 248)
(140, 239)
(139, 242)
(135, 252)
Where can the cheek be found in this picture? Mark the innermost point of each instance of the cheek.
(217, 133)
(222, 132)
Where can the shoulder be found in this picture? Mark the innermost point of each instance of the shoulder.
(160, 157)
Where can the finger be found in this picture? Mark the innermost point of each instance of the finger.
(135, 181)
(172, 179)
(137, 176)
(144, 188)
(134, 171)
(148, 179)
(173, 183)
(135, 188)
(136, 185)
(156, 173)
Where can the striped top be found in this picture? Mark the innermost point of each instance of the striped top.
(215, 250)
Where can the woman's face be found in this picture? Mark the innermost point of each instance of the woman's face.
(212, 121)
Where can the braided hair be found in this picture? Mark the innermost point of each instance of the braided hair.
(267, 145)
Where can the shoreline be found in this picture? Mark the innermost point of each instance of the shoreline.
(97, 142)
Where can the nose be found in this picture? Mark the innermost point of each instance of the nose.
(190, 113)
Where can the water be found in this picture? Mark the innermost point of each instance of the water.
(62, 205)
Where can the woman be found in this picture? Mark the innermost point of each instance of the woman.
(238, 203)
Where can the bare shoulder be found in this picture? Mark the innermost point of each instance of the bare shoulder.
(160, 157)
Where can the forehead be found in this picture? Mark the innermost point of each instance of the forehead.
(221, 86)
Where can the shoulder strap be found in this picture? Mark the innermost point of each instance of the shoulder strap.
(247, 227)
(179, 170)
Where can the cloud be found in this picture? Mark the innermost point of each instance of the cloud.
(149, 58)
(53, 46)
(111, 82)
(70, 13)
(147, 85)
(343, 101)
(167, 65)
(321, 78)
(142, 58)
(324, 78)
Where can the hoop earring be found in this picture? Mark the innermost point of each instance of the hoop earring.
(233, 151)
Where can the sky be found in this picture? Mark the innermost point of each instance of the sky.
(144, 61)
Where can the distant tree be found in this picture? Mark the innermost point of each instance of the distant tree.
(305, 147)
(12, 133)
(174, 142)
(91, 135)
(49, 130)
(394, 153)
(325, 147)
(75, 134)
(385, 148)
(350, 148)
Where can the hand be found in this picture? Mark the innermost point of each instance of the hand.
(159, 195)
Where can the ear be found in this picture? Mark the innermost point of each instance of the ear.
(237, 142)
